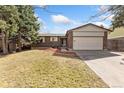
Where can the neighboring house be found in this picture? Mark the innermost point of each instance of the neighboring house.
(52, 40)
(87, 37)
(116, 39)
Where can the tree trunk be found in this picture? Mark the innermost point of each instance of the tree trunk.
(3, 43)
(6, 42)
(19, 41)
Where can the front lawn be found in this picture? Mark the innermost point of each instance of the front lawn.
(45, 68)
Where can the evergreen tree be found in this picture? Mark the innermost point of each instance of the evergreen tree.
(18, 22)
(28, 25)
(9, 18)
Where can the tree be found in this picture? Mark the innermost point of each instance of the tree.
(117, 11)
(3, 27)
(20, 23)
(28, 25)
(118, 19)
(9, 18)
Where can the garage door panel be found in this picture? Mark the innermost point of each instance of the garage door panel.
(87, 43)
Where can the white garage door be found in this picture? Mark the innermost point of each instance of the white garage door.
(88, 43)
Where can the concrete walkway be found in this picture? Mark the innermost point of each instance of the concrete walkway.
(108, 65)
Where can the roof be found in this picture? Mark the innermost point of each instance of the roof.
(89, 24)
(117, 33)
(50, 34)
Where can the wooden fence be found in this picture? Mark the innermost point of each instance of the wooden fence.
(117, 45)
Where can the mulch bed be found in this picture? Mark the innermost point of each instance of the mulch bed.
(65, 53)
(46, 48)
(58, 52)
(53, 49)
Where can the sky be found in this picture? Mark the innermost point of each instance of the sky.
(58, 19)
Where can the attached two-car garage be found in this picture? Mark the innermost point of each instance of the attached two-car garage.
(88, 43)
(87, 37)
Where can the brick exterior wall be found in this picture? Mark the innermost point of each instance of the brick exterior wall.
(70, 39)
(105, 40)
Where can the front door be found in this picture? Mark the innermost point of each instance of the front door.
(63, 42)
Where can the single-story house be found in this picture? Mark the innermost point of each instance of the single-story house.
(52, 40)
(85, 37)
(116, 39)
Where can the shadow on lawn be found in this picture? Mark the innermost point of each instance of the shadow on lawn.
(17, 52)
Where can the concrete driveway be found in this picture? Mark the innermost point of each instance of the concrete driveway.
(108, 65)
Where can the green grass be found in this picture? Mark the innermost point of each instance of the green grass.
(41, 68)
(118, 32)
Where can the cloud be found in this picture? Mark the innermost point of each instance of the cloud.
(60, 19)
(43, 6)
(67, 23)
(58, 30)
(107, 17)
(111, 17)
(36, 15)
(38, 18)
(103, 8)
(63, 29)
(101, 23)
(76, 23)
(43, 25)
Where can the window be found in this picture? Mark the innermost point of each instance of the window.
(42, 40)
(53, 39)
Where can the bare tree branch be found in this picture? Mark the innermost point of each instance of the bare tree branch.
(107, 11)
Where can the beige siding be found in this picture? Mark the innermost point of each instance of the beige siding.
(88, 33)
(88, 43)
(88, 38)
(89, 28)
